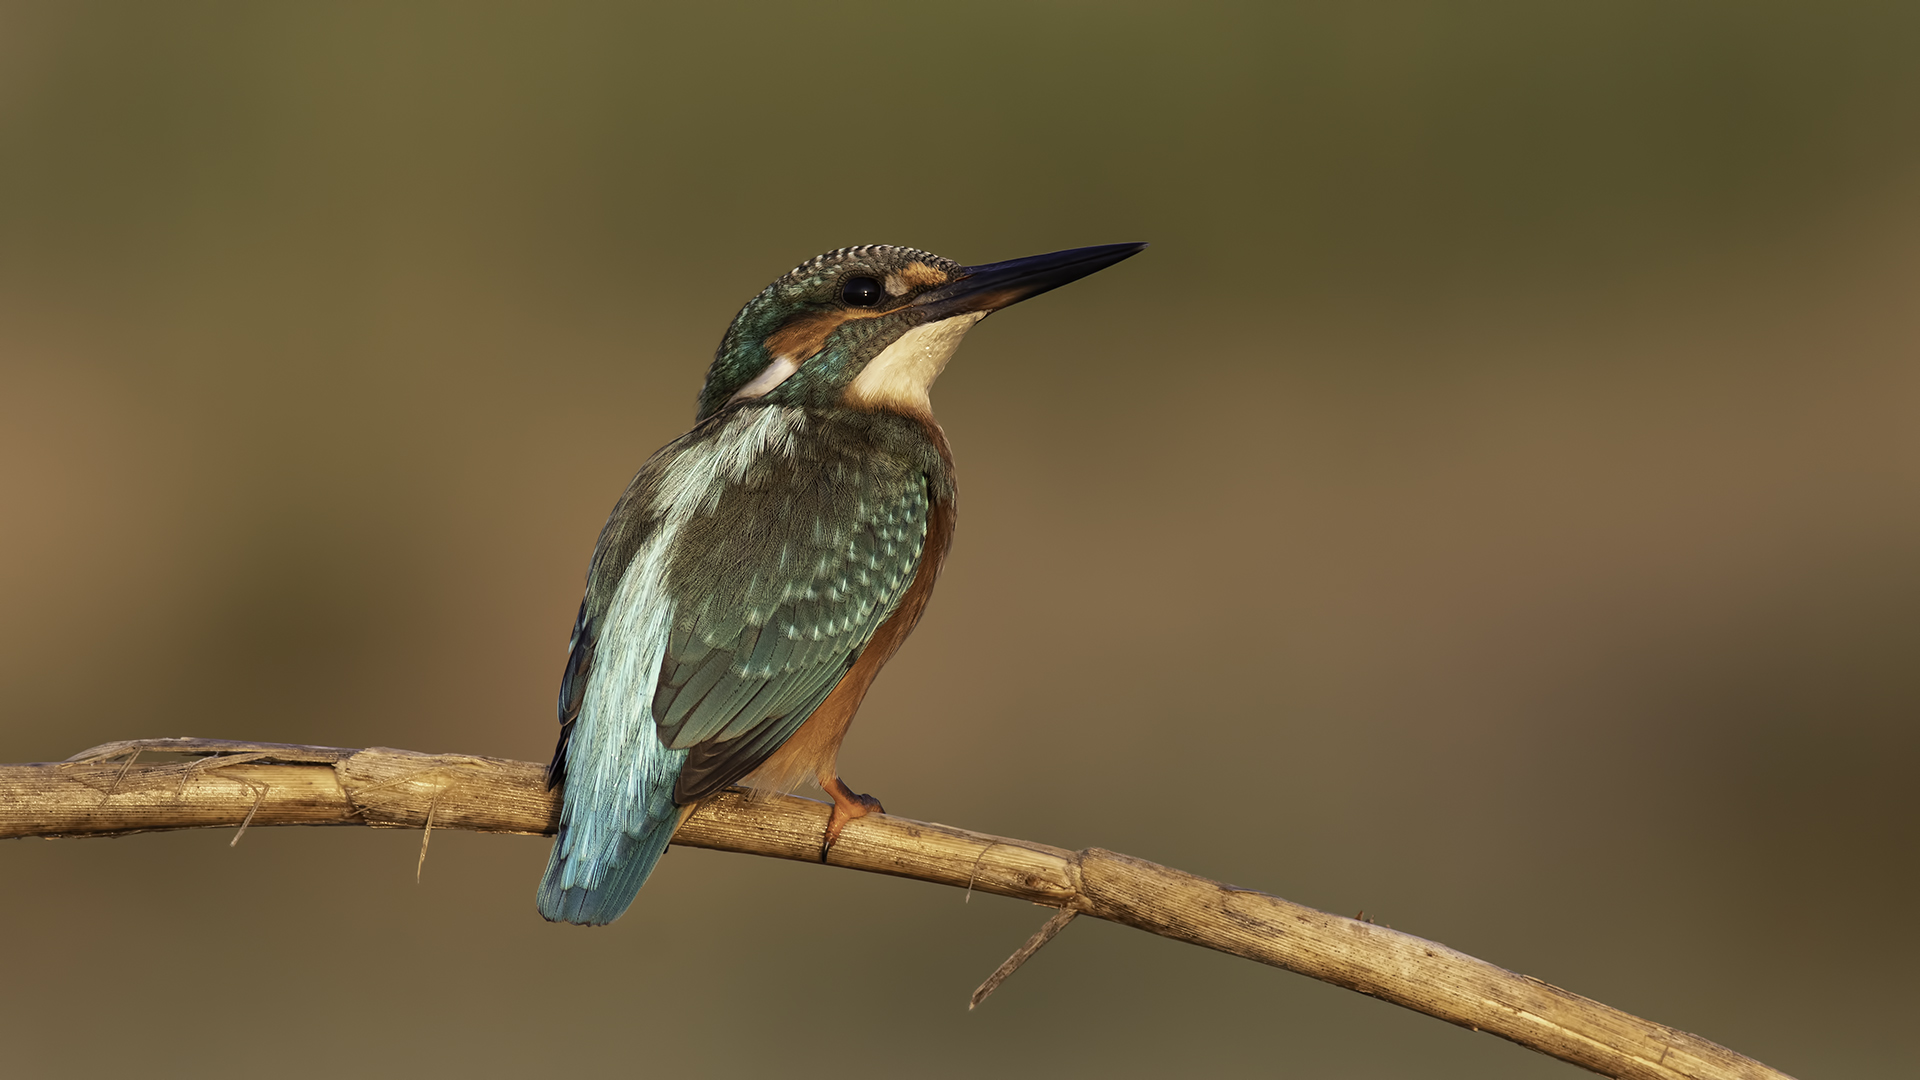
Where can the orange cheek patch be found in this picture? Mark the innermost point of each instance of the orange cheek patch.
(805, 335)
(919, 273)
(913, 276)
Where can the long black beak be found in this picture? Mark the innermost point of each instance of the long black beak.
(993, 286)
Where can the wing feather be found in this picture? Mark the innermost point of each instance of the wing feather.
(830, 564)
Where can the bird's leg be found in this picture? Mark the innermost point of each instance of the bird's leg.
(847, 805)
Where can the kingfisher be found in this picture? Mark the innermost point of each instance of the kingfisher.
(761, 569)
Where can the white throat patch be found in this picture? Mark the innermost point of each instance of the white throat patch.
(901, 375)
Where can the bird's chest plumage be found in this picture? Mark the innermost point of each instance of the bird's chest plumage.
(833, 516)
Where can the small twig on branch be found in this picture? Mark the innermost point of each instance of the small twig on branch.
(426, 836)
(1023, 954)
(95, 794)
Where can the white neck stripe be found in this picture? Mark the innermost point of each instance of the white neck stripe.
(763, 383)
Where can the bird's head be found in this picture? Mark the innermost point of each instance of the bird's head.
(872, 327)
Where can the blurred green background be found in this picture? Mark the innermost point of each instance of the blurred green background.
(1490, 503)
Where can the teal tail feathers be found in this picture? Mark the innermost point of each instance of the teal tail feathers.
(593, 888)
(614, 826)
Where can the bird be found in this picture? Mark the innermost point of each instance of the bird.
(760, 569)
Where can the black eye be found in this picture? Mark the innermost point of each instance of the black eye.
(861, 292)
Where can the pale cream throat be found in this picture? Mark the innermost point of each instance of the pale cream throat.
(904, 371)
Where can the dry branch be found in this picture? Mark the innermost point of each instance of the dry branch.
(109, 791)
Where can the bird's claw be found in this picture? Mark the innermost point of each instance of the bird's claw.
(847, 805)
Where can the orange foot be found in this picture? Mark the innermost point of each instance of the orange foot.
(846, 807)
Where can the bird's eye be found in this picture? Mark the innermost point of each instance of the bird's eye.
(861, 292)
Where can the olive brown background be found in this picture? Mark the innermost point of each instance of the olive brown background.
(1490, 503)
